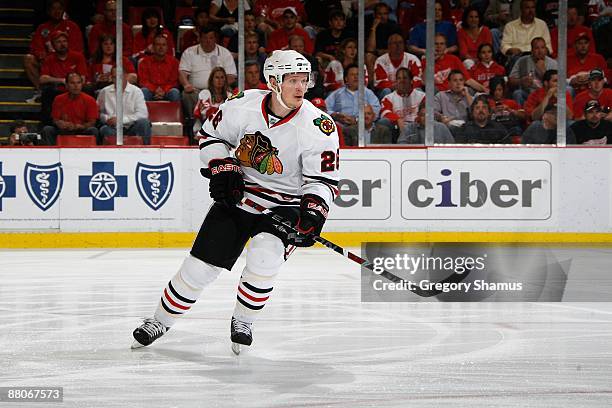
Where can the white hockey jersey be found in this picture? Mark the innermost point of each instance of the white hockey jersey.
(281, 159)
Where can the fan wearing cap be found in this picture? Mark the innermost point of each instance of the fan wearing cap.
(574, 30)
(279, 38)
(593, 129)
(597, 90)
(54, 69)
(545, 131)
(582, 62)
(274, 148)
(41, 44)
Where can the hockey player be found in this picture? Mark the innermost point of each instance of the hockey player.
(280, 151)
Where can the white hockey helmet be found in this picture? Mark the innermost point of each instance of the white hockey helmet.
(283, 62)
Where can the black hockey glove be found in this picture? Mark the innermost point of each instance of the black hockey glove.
(313, 213)
(226, 183)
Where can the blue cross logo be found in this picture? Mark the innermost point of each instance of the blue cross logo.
(7, 186)
(103, 186)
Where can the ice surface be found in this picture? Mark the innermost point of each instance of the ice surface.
(66, 318)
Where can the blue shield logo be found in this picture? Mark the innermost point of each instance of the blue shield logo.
(43, 183)
(154, 183)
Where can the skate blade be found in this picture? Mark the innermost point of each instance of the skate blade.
(236, 348)
(136, 345)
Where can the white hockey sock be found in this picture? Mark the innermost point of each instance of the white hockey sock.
(265, 255)
(184, 289)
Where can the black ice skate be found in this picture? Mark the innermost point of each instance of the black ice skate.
(240, 334)
(148, 332)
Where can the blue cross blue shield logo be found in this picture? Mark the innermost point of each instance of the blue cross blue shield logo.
(154, 183)
(103, 186)
(8, 188)
(43, 183)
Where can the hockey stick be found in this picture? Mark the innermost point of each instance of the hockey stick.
(454, 278)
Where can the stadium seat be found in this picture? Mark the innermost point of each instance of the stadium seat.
(76, 140)
(169, 141)
(181, 12)
(166, 118)
(127, 140)
(135, 15)
(162, 111)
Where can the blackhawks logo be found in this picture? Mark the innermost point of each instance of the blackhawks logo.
(325, 124)
(256, 151)
(236, 96)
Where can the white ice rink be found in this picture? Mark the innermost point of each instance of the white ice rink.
(66, 319)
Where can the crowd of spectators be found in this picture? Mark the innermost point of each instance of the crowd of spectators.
(495, 66)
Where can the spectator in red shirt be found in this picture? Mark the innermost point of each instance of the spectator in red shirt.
(74, 112)
(252, 76)
(387, 65)
(192, 37)
(582, 62)
(445, 63)
(486, 67)
(279, 39)
(401, 106)
(108, 27)
(103, 60)
(472, 35)
(505, 111)
(269, 13)
(542, 97)
(54, 69)
(574, 30)
(596, 91)
(151, 28)
(41, 45)
(158, 73)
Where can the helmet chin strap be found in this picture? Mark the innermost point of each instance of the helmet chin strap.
(279, 97)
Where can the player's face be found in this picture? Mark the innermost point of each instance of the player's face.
(486, 54)
(293, 88)
(160, 46)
